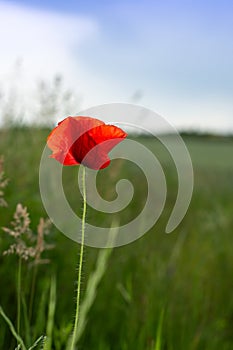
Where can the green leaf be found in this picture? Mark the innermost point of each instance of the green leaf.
(12, 329)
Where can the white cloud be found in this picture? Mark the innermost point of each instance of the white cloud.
(45, 44)
(43, 40)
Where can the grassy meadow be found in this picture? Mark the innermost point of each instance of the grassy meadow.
(161, 292)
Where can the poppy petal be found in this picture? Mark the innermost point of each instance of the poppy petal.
(62, 137)
(101, 140)
(79, 140)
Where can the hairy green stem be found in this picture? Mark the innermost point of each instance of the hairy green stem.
(74, 337)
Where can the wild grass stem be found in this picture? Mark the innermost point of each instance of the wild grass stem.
(19, 294)
(32, 294)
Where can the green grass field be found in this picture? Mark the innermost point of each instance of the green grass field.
(162, 292)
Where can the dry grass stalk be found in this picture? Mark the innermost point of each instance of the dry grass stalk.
(27, 244)
(43, 229)
(21, 232)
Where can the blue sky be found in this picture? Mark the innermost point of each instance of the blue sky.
(175, 57)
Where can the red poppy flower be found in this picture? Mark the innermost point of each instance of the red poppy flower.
(84, 140)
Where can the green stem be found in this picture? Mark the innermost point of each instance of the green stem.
(19, 295)
(74, 337)
(32, 294)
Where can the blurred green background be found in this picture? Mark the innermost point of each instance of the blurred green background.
(177, 286)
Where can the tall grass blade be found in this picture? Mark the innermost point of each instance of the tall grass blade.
(159, 332)
(51, 313)
(40, 339)
(41, 312)
(19, 294)
(12, 329)
(26, 322)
